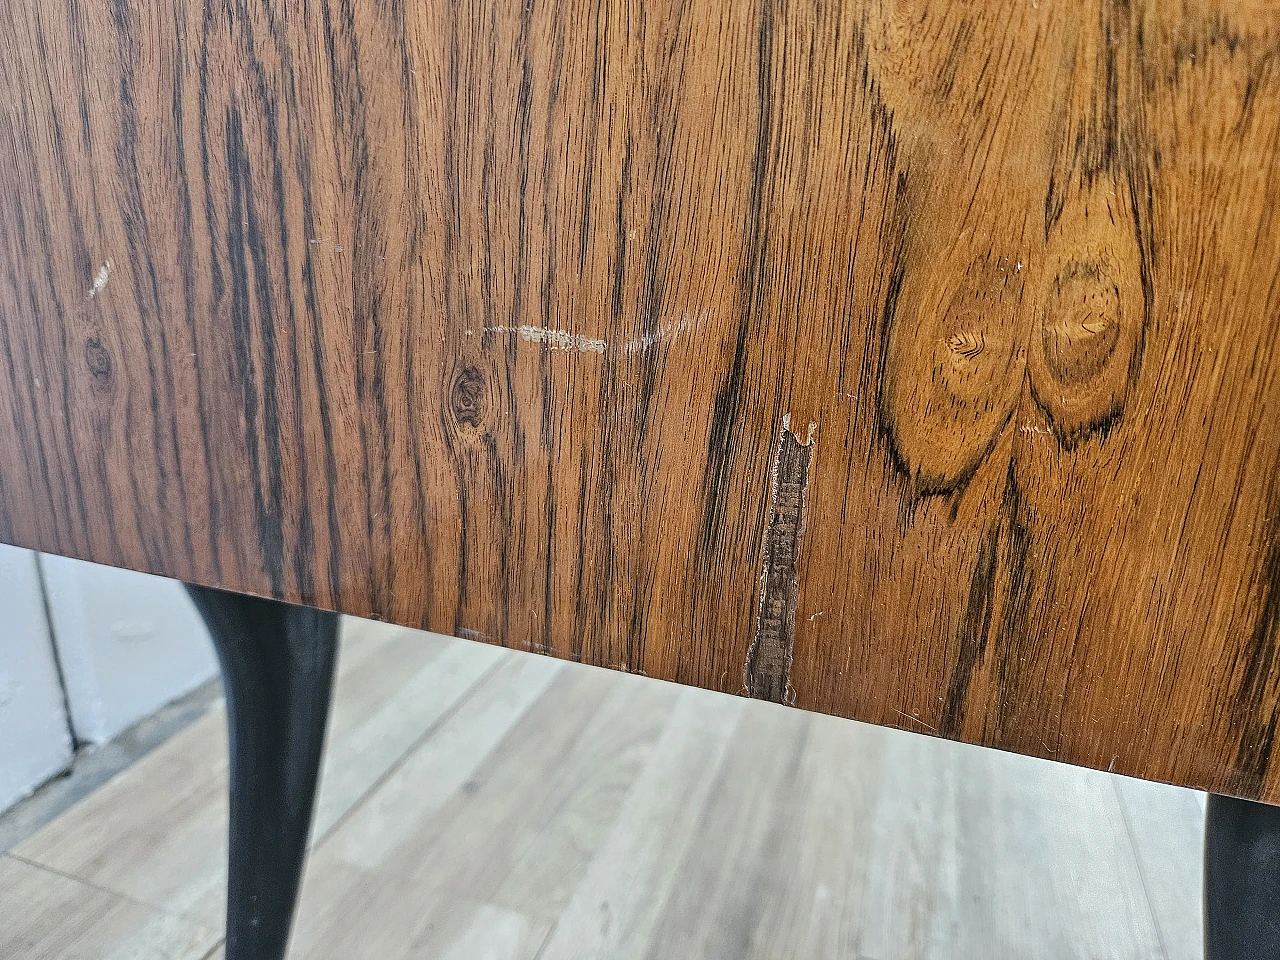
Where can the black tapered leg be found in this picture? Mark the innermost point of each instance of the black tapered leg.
(277, 668)
(1241, 880)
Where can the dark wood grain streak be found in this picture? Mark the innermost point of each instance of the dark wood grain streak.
(488, 318)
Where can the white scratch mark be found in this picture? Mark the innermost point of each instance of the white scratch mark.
(1031, 428)
(820, 613)
(100, 281)
(474, 634)
(553, 339)
(908, 716)
(690, 321)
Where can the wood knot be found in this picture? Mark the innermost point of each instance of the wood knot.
(98, 360)
(466, 397)
(954, 364)
(966, 344)
(1091, 311)
(1082, 322)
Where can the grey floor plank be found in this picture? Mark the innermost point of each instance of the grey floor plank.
(48, 916)
(738, 862)
(386, 830)
(828, 810)
(1166, 828)
(616, 906)
(980, 854)
(157, 831)
(479, 803)
(349, 912)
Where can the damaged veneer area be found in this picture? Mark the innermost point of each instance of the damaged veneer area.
(768, 667)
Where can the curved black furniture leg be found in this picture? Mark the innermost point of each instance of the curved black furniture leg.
(1241, 880)
(277, 669)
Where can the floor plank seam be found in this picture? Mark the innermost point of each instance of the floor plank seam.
(1142, 874)
(546, 940)
(119, 895)
(95, 766)
(400, 761)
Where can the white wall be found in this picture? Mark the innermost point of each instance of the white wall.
(35, 743)
(129, 643)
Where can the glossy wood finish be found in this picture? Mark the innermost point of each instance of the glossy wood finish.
(921, 355)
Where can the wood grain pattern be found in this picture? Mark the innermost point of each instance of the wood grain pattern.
(488, 318)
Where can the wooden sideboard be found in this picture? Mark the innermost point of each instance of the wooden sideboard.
(913, 362)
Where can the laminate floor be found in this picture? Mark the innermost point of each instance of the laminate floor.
(480, 804)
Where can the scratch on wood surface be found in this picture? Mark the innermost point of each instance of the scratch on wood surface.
(553, 339)
(768, 667)
(100, 281)
(665, 332)
(907, 716)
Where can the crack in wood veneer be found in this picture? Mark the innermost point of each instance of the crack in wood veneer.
(768, 667)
